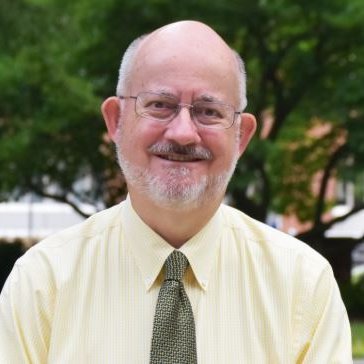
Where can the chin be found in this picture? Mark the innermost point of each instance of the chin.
(180, 195)
(175, 188)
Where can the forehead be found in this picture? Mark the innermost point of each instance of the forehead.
(197, 63)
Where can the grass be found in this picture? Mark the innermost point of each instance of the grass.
(357, 330)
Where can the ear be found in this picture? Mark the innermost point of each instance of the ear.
(248, 125)
(110, 109)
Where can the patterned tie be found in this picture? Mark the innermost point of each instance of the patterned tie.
(174, 339)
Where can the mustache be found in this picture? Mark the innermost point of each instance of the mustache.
(193, 151)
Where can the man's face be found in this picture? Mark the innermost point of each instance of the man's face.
(179, 164)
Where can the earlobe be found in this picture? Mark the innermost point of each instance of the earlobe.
(110, 109)
(248, 126)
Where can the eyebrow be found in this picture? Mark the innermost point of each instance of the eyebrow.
(203, 97)
(209, 98)
(164, 92)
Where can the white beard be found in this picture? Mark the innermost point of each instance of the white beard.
(175, 189)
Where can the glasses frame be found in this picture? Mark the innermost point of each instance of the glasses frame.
(179, 107)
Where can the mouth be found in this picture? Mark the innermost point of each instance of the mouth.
(179, 157)
(178, 153)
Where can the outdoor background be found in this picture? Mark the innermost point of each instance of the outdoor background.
(303, 173)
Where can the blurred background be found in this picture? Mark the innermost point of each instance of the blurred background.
(303, 172)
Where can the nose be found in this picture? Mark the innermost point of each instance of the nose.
(182, 129)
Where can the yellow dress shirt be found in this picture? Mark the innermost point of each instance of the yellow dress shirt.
(88, 295)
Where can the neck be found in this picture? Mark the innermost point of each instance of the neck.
(173, 224)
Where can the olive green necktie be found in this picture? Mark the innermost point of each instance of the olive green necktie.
(174, 339)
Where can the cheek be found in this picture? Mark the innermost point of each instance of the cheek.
(135, 139)
(126, 142)
(229, 155)
(224, 144)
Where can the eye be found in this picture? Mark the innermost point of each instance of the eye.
(160, 104)
(208, 111)
(157, 106)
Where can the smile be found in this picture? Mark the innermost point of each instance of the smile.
(179, 157)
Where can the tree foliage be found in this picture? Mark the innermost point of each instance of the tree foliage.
(305, 67)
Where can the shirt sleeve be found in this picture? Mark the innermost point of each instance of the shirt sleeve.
(325, 335)
(25, 311)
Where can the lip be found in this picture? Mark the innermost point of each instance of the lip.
(184, 158)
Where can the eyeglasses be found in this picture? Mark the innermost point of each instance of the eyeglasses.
(164, 108)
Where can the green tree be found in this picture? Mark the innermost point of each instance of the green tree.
(304, 60)
(51, 132)
(306, 64)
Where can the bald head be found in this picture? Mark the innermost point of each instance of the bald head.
(184, 43)
(190, 36)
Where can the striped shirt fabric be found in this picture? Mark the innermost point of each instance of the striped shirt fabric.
(88, 295)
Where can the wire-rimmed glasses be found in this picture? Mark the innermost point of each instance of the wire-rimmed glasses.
(164, 108)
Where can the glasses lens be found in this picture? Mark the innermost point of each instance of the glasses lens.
(213, 114)
(156, 106)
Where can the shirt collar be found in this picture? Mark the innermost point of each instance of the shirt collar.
(150, 250)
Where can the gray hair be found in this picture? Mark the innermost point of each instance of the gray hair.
(126, 65)
(129, 58)
(242, 80)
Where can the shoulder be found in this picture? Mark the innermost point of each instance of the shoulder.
(271, 243)
(96, 225)
(63, 252)
(277, 262)
(92, 227)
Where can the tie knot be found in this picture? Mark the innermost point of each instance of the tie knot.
(176, 265)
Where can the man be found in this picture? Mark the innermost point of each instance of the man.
(98, 292)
